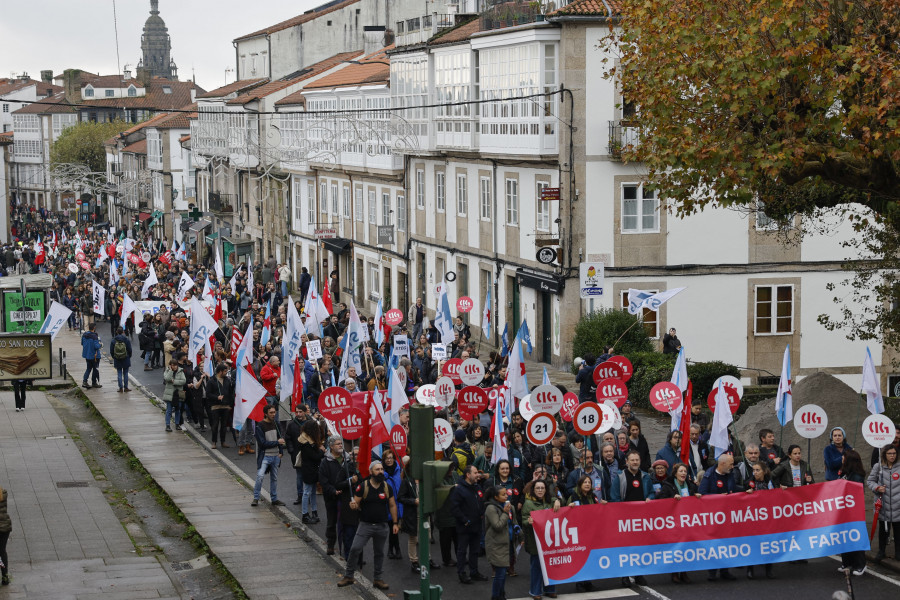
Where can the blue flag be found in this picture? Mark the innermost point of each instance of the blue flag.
(525, 335)
(504, 341)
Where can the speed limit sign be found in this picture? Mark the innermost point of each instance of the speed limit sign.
(587, 418)
(541, 429)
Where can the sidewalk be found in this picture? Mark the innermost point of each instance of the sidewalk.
(67, 542)
(258, 547)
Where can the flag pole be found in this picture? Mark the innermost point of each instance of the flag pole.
(858, 402)
(626, 331)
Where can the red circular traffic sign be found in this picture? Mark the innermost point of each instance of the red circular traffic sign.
(393, 316)
(612, 389)
(570, 403)
(451, 370)
(78, 202)
(471, 401)
(351, 425)
(546, 398)
(665, 396)
(607, 370)
(733, 400)
(587, 418)
(464, 304)
(541, 429)
(625, 365)
(85, 265)
(334, 403)
(398, 438)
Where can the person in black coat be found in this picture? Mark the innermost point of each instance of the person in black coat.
(638, 442)
(338, 476)
(585, 377)
(120, 362)
(671, 344)
(467, 507)
(219, 402)
(312, 451)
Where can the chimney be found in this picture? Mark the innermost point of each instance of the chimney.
(47, 76)
(143, 76)
(126, 73)
(72, 85)
(373, 39)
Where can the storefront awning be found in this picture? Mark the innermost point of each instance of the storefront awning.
(543, 282)
(200, 225)
(144, 216)
(337, 245)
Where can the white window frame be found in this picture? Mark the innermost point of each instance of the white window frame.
(774, 314)
(462, 194)
(485, 196)
(623, 299)
(385, 208)
(311, 208)
(374, 273)
(401, 212)
(334, 200)
(440, 191)
(347, 202)
(323, 197)
(640, 215)
(358, 203)
(420, 188)
(542, 218)
(512, 202)
(373, 208)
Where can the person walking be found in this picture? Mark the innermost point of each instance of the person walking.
(884, 480)
(719, 480)
(834, 453)
(121, 353)
(5, 530)
(338, 477)
(536, 499)
(174, 380)
(376, 504)
(271, 449)
(90, 352)
(312, 452)
(220, 399)
(393, 474)
(500, 525)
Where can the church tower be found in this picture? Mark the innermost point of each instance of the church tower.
(157, 47)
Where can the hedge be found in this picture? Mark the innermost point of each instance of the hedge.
(652, 367)
(603, 327)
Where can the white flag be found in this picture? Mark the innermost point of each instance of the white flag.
(99, 293)
(184, 285)
(56, 316)
(149, 282)
(220, 272)
(232, 283)
(784, 403)
(722, 418)
(208, 293)
(871, 385)
(497, 432)
(202, 326)
(113, 273)
(679, 378)
(250, 275)
(516, 379)
(639, 299)
(290, 347)
(443, 319)
(128, 308)
(248, 391)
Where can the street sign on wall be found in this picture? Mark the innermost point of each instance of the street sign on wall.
(385, 235)
(326, 233)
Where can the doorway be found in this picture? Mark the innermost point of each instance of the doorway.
(546, 326)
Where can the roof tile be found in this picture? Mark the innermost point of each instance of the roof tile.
(139, 147)
(374, 68)
(242, 85)
(298, 20)
(586, 8)
(307, 73)
(156, 97)
(54, 104)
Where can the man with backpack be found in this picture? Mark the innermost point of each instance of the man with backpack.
(121, 354)
(461, 454)
(373, 499)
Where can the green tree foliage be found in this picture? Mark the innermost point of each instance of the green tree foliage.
(82, 144)
(652, 367)
(795, 103)
(603, 327)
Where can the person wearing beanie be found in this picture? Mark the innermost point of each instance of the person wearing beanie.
(659, 472)
(834, 453)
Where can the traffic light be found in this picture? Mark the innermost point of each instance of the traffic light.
(433, 492)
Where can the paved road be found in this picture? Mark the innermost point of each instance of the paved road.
(815, 580)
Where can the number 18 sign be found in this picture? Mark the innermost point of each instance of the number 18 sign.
(587, 418)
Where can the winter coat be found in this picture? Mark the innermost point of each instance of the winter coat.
(890, 499)
(496, 534)
(312, 457)
(530, 506)
(587, 388)
(90, 345)
(782, 474)
(643, 449)
(336, 477)
(617, 489)
(394, 479)
(123, 363)
(174, 380)
(711, 480)
(409, 522)
(670, 491)
(668, 454)
(834, 458)
(466, 506)
(5, 521)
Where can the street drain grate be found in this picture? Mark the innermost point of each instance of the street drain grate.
(72, 484)
(182, 566)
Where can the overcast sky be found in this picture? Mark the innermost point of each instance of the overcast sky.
(62, 34)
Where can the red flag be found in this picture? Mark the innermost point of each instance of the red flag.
(135, 259)
(217, 315)
(236, 337)
(686, 426)
(326, 301)
(111, 250)
(166, 258)
(297, 392)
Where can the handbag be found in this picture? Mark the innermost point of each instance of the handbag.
(298, 462)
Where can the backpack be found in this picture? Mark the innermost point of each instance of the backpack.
(366, 487)
(462, 459)
(120, 350)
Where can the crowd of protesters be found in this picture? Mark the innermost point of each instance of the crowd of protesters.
(487, 518)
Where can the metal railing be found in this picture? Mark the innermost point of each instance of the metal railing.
(623, 135)
(221, 203)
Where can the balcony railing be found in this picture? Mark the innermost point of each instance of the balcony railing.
(623, 135)
(420, 29)
(221, 203)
